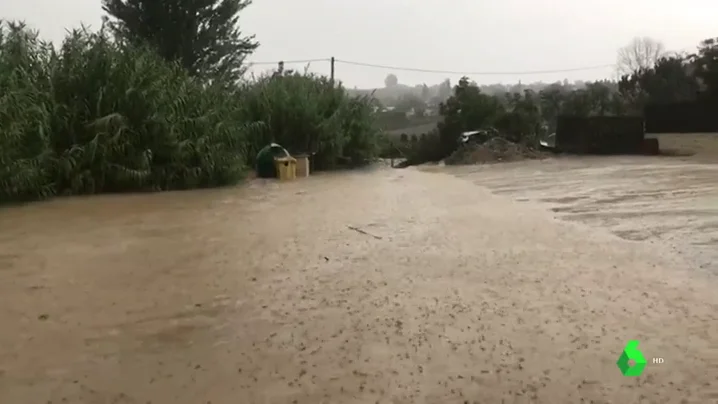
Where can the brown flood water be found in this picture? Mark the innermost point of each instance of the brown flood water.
(384, 286)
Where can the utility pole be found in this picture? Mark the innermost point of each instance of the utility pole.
(331, 77)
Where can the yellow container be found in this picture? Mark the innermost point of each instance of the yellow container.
(302, 165)
(286, 168)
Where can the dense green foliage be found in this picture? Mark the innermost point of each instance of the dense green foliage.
(99, 115)
(26, 110)
(309, 114)
(201, 35)
(674, 78)
(705, 67)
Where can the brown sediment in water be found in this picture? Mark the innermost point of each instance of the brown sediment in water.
(269, 294)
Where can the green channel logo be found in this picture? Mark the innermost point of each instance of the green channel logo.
(631, 354)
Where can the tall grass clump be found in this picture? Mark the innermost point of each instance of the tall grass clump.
(126, 120)
(307, 113)
(98, 115)
(26, 109)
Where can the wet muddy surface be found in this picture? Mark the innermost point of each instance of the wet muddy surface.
(670, 201)
(383, 286)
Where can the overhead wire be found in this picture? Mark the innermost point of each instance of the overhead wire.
(530, 72)
(451, 72)
(290, 61)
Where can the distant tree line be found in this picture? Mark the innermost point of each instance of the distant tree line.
(651, 76)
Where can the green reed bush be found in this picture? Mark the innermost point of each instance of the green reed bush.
(126, 120)
(26, 108)
(308, 113)
(97, 115)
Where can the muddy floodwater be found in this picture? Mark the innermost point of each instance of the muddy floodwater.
(668, 201)
(516, 283)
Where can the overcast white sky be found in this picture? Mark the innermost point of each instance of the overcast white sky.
(455, 35)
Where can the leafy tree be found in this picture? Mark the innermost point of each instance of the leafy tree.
(599, 96)
(631, 92)
(522, 116)
(202, 35)
(670, 80)
(577, 103)
(391, 81)
(595, 98)
(551, 99)
(425, 92)
(445, 90)
(408, 102)
(705, 63)
(436, 100)
(468, 109)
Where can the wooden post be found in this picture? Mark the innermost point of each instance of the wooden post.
(331, 77)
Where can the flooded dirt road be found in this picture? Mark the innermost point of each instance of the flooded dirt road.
(670, 201)
(385, 286)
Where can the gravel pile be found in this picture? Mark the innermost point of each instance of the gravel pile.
(494, 150)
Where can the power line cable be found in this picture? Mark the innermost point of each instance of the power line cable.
(289, 61)
(412, 69)
(452, 72)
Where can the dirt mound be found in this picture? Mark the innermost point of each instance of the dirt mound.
(494, 150)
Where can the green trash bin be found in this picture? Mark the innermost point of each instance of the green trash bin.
(265, 160)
